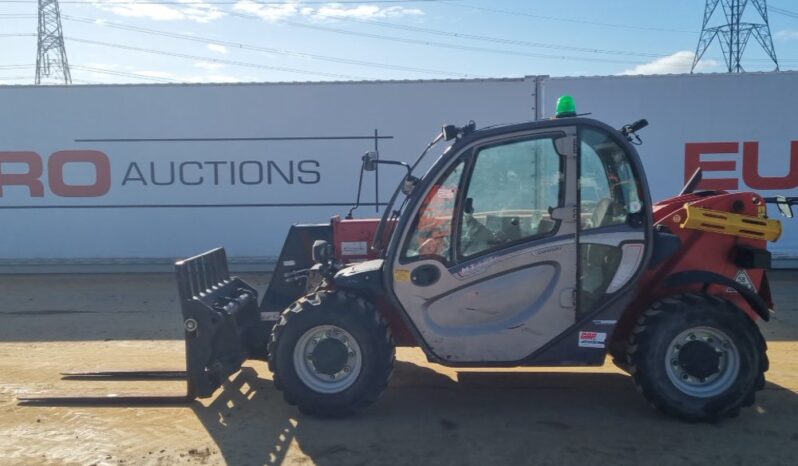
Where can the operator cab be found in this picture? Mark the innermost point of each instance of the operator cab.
(518, 235)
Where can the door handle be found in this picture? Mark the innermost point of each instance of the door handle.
(565, 213)
(425, 275)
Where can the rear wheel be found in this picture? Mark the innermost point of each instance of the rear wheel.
(697, 357)
(331, 354)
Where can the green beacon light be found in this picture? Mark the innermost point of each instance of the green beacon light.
(566, 107)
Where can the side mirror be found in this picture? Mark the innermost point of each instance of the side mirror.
(409, 184)
(370, 161)
(322, 251)
(785, 208)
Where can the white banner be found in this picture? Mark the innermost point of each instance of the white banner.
(161, 171)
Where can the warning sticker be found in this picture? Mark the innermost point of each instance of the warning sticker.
(354, 248)
(744, 279)
(401, 275)
(592, 339)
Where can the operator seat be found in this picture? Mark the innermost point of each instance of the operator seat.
(600, 214)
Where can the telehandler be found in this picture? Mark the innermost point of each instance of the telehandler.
(532, 244)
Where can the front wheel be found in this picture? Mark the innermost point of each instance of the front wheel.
(697, 357)
(331, 353)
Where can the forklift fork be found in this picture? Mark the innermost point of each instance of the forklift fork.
(222, 328)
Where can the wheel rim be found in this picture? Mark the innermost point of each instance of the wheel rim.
(327, 359)
(702, 362)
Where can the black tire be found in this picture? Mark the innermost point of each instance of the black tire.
(656, 341)
(362, 322)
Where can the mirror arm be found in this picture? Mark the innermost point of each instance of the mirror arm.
(395, 162)
(359, 186)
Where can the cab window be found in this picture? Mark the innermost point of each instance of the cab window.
(431, 234)
(511, 189)
(608, 189)
(608, 197)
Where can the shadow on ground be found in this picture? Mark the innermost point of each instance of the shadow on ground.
(495, 418)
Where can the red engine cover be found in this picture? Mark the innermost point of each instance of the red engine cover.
(706, 250)
(352, 238)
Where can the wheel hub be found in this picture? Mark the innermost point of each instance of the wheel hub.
(702, 362)
(329, 357)
(699, 359)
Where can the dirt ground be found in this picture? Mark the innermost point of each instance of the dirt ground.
(428, 415)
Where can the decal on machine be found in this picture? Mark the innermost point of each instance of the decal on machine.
(354, 248)
(744, 279)
(605, 322)
(401, 275)
(592, 339)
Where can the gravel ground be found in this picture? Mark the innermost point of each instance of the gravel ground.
(428, 415)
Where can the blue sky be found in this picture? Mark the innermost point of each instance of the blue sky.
(113, 41)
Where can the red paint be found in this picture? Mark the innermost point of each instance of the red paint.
(354, 231)
(102, 170)
(31, 178)
(693, 152)
(702, 250)
(751, 172)
(692, 161)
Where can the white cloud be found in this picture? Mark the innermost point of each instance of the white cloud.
(209, 66)
(98, 74)
(217, 48)
(336, 10)
(201, 12)
(205, 78)
(271, 13)
(157, 74)
(787, 34)
(155, 12)
(215, 78)
(275, 13)
(679, 62)
(191, 10)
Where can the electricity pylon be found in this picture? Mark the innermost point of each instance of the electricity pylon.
(734, 34)
(51, 57)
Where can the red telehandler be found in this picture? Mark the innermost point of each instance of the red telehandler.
(532, 244)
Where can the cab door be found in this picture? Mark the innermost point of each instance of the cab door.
(613, 222)
(487, 270)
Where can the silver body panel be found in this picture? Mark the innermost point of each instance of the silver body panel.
(505, 305)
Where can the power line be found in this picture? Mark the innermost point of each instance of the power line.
(17, 67)
(493, 39)
(215, 60)
(782, 11)
(124, 74)
(85, 81)
(270, 50)
(439, 44)
(566, 20)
